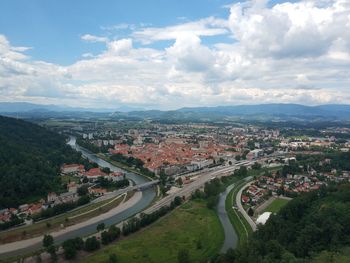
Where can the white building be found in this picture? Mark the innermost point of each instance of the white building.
(262, 219)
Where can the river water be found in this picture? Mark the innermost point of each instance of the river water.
(147, 197)
(231, 238)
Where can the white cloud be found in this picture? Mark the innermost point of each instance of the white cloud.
(204, 27)
(92, 38)
(290, 52)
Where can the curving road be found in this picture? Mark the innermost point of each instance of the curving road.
(241, 209)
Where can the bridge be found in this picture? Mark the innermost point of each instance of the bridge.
(144, 185)
(137, 187)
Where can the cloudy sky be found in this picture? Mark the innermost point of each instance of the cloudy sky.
(169, 54)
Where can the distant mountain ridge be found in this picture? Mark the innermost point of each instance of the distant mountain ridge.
(259, 111)
(275, 109)
(11, 107)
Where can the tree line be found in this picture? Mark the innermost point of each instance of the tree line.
(72, 246)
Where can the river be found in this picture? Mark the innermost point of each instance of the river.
(231, 238)
(147, 197)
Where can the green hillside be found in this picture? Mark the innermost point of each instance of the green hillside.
(30, 160)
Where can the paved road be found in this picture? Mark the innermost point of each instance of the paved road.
(28, 245)
(241, 209)
(148, 195)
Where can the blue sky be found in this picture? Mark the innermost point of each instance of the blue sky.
(53, 28)
(169, 54)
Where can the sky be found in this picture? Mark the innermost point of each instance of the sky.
(170, 54)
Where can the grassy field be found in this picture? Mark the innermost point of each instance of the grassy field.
(183, 228)
(276, 205)
(41, 227)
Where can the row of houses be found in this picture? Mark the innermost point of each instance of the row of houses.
(92, 174)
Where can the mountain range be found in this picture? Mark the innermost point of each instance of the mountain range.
(258, 112)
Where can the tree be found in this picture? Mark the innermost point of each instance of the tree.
(92, 244)
(105, 238)
(183, 256)
(70, 250)
(250, 211)
(114, 232)
(83, 200)
(179, 181)
(83, 190)
(85, 180)
(100, 227)
(47, 241)
(212, 201)
(106, 170)
(238, 157)
(79, 243)
(177, 200)
(241, 172)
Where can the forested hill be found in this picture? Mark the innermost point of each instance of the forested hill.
(30, 160)
(313, 227)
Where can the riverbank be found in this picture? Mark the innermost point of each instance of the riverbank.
(70, 218)
(122, 166)
(6, 250)
(239, 223)
(28, 246)
(192, 226)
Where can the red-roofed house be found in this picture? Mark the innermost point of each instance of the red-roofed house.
(70, 168)
(95, 173)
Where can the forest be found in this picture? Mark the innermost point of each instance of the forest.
(30, 161)
(310, 228)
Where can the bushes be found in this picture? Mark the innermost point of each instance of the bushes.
(92, 244)
(47, 241)
(15, 220)
(136, 223)
(61, 208)
(131, 161)
(212, 201)
(105, 183)
(109, 236)
(69, 249)
(211, 193)
(71, 246)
